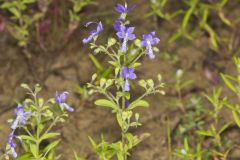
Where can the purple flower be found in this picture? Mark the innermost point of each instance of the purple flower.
(148, 41)
(12, 145)
(61, 98)
(94, 33)
(21, 117)
(125, 33)
(123, 9)
(117, 24)
(128, 74)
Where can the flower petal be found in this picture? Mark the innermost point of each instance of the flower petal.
(126, 86)
(68, 108)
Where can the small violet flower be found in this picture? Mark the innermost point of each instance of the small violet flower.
(123, 9)
(117, 24)
(94, 33)
(61, 98)
(125, 33)
(128, 74)
(21, 117)
(12, 145)
(148, 41)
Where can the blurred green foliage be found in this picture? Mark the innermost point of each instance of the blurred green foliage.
(193, 18)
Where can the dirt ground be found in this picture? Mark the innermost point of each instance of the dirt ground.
(72, 66)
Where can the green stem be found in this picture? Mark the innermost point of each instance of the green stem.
(37, 143)
(38, 125)
(51, 125)
(137, 58)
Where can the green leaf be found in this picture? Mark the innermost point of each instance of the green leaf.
(224, 19)
(96, 62)
(132, 140)
(77, 157)
(213, 36)
(106, 72)
(138, 103)
(223, 128)
(26, 156)
(205, 133)
(94, 144)
(187, 17)
(15, 12)
(228, 83)
(49, 135)
(51, 146)
(120, 120)
(236, 118)
(186, 146)
(175, 36)
(107, 103)
(33, 149)
(26, 137)
(135, 65)
(113, 63)
(186, 84)
(29, 1)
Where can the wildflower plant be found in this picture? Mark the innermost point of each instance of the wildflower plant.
(124, 53)
(33, 126)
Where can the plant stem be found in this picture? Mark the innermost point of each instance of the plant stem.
(169, 140)
(38, 125)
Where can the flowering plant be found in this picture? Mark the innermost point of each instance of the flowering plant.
(33, 126)
(117, 90)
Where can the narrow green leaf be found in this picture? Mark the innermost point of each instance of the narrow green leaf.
(205, 133)
(213, 37)
(96, 62)
(49, 135)
(33, 149)
(94, 144)
(138, 103)
(26, 156)
(228, 83)
(51, 146)
(26, 137)
(106, 103)
(224, 128)
(236, 118)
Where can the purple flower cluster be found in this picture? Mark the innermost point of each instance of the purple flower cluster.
(125, 33)
(61, 98)
(20, 119)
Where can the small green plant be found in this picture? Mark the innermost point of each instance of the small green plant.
(179, 86)
(21, 19)
(33, 126)
(233, 83)
(187, 153)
